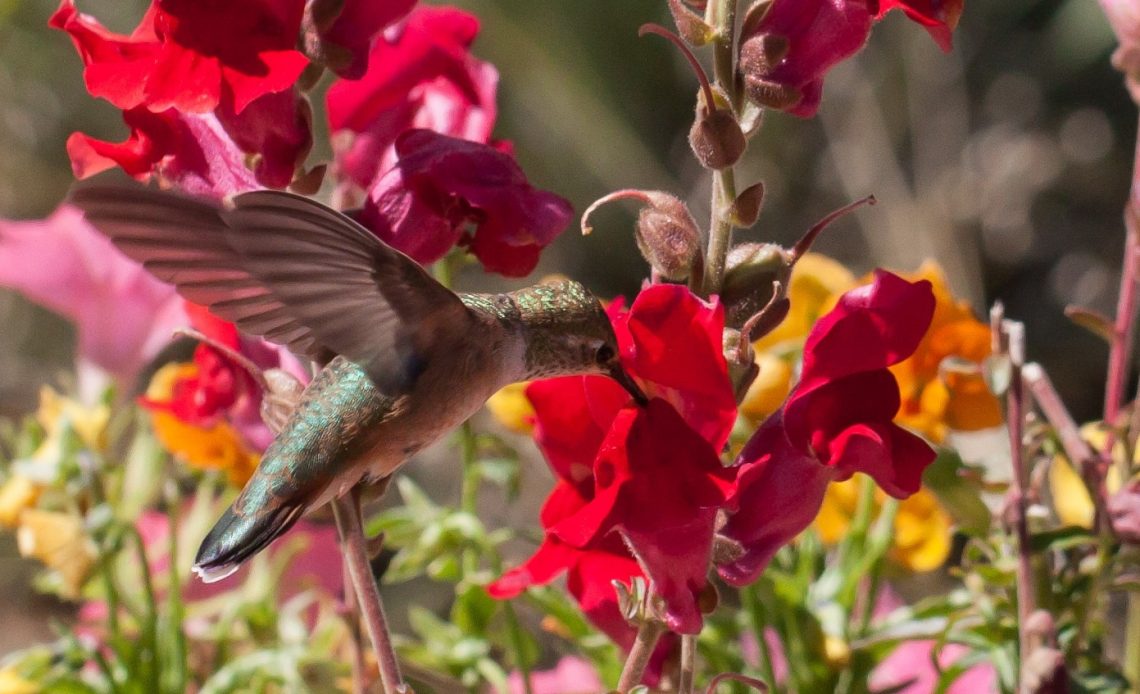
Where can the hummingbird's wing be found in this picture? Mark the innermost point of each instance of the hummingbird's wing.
(289, 269)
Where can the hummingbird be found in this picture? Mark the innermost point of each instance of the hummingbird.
(405, 359)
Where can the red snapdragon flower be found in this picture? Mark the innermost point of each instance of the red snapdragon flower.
(441, 186)
(786, 53)
(423, 77)
(220, 389)
(187, 54)
(647, 473)
(200, 150)
(836, 422)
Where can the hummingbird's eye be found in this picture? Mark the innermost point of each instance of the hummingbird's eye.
(604, 354)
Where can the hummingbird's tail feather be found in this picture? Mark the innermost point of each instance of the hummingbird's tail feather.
(237, 537)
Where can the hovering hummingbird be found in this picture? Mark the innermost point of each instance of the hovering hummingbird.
(405, 359)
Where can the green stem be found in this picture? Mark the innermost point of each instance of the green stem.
(721, 15)
(1132, 643)
(1088, 611)
(150, 623)
(176, 608)
(647, 635)
(755, 609)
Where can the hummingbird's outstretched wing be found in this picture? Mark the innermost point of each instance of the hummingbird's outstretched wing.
(289, 269)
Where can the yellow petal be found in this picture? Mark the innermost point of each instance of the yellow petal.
(17, 494)
(12, 683)
(512, 409)
(89, 423)
(838, 508)
(768, 391)
(922, 533)
(815, 284)
(1071, 498)
(60, 542)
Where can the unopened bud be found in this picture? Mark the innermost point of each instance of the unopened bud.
(666, 233)
(690, 26)
(751, 270)
(716, 137)
(746, 208)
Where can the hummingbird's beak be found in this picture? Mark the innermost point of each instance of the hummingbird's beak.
(622, 376)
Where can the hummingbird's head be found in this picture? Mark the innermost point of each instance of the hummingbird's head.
(568, 333)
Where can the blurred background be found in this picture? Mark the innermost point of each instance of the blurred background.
(1007, 160)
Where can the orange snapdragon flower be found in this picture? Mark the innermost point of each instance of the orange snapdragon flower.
(213, 446)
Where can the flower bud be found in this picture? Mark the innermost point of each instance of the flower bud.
(751, 270)
(690, 26)
(746, 207)
(716, 137)
(666, 233)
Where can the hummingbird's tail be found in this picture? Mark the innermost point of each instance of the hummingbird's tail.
(238, 536)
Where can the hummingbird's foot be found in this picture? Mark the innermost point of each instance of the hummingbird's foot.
(350, 527)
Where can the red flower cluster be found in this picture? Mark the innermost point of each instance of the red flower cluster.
(786, 52)
(654, 474)
(413, 137)
(836, 422)
(220, 390)
(204, 85)
(647, 473)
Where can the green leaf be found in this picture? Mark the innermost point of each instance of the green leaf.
(956, 493)
(1061, 539)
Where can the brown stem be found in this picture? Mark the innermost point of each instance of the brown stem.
(699, 71)
(350, 526)
(1011, 338)
(647, 635)
(1124, 328)
(1051, 405)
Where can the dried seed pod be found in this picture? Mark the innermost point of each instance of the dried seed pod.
(751, 272)
(716, 137)
(666, 233)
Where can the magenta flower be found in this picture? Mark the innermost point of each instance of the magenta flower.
(836, 422)
(785, 55)
(441, 187)
(122, 314)
(424, 77)
(356, 26)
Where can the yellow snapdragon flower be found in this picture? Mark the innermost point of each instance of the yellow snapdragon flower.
(921, 539)
(60, 542)
(511, 408)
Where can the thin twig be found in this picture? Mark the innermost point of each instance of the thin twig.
(1009, 337)
(349, 523)
(1076, 448)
